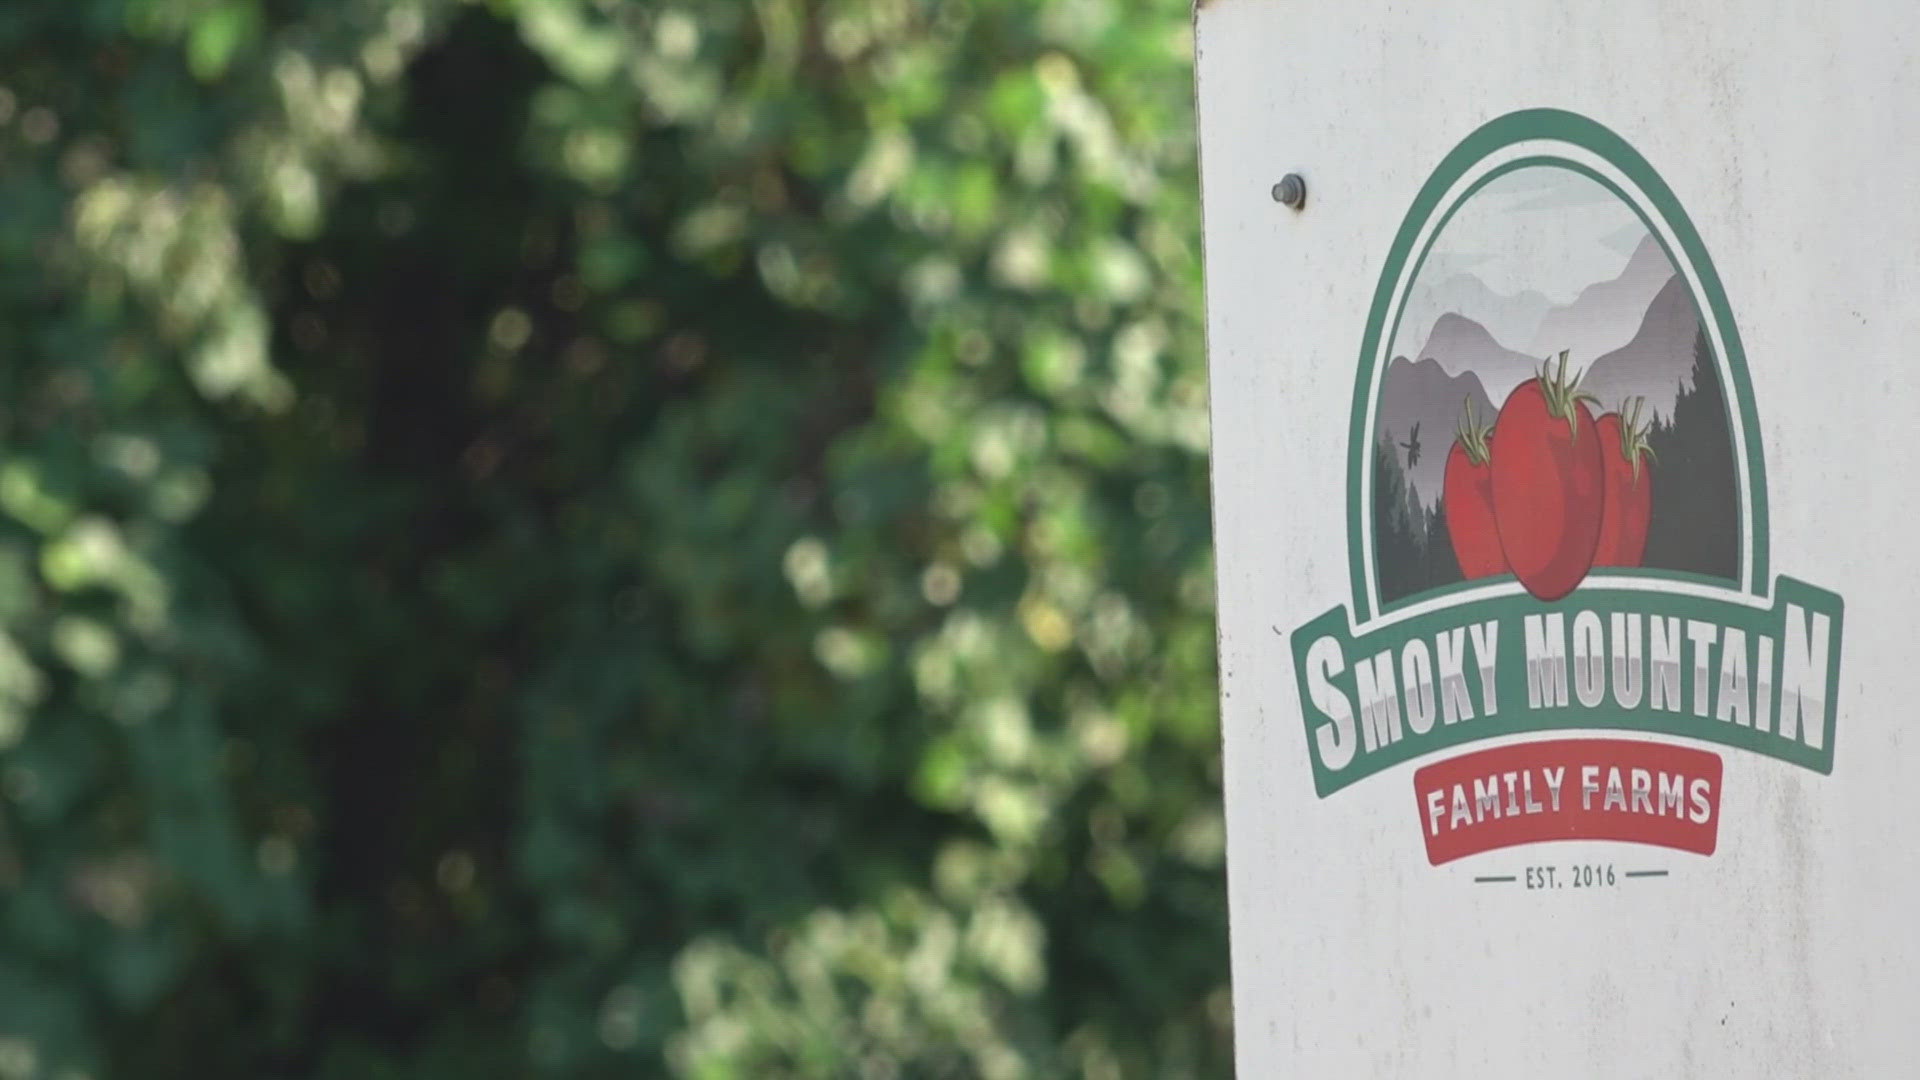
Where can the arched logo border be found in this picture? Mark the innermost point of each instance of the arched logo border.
(1572, 129)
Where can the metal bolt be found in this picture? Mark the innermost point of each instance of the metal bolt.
(1291, 191)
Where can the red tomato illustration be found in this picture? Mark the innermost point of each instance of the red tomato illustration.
(1468, 496)
(1628, 485)
(1548, 482)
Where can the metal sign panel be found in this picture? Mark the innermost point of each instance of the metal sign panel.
(1567, 557)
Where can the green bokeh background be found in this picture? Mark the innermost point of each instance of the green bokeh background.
(566, 538)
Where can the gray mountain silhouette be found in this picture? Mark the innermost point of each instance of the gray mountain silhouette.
(1463, 346)
(1605, 315)
(1657, 360)
(1423, 393)
(1512, 320)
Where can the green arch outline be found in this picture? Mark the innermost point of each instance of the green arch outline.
(1557, 125)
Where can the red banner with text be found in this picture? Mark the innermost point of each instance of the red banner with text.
(1569, 789)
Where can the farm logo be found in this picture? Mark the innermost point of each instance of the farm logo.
(1557, 517)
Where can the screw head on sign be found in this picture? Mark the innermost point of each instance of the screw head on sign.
(1291, 191)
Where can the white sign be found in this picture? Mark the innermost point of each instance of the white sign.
(1564, 361)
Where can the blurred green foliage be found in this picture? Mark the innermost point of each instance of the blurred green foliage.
(570, 539)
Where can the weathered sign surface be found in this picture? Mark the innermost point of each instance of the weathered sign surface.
(1569, 550)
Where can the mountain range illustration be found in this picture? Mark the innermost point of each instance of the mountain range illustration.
(1464, 347)
(1633, 334)
(1603, 317)
(1655, 362)
(1514, 320)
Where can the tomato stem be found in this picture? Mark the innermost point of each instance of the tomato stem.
(1633, 435)
(1563, 394)
(1473, 436)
